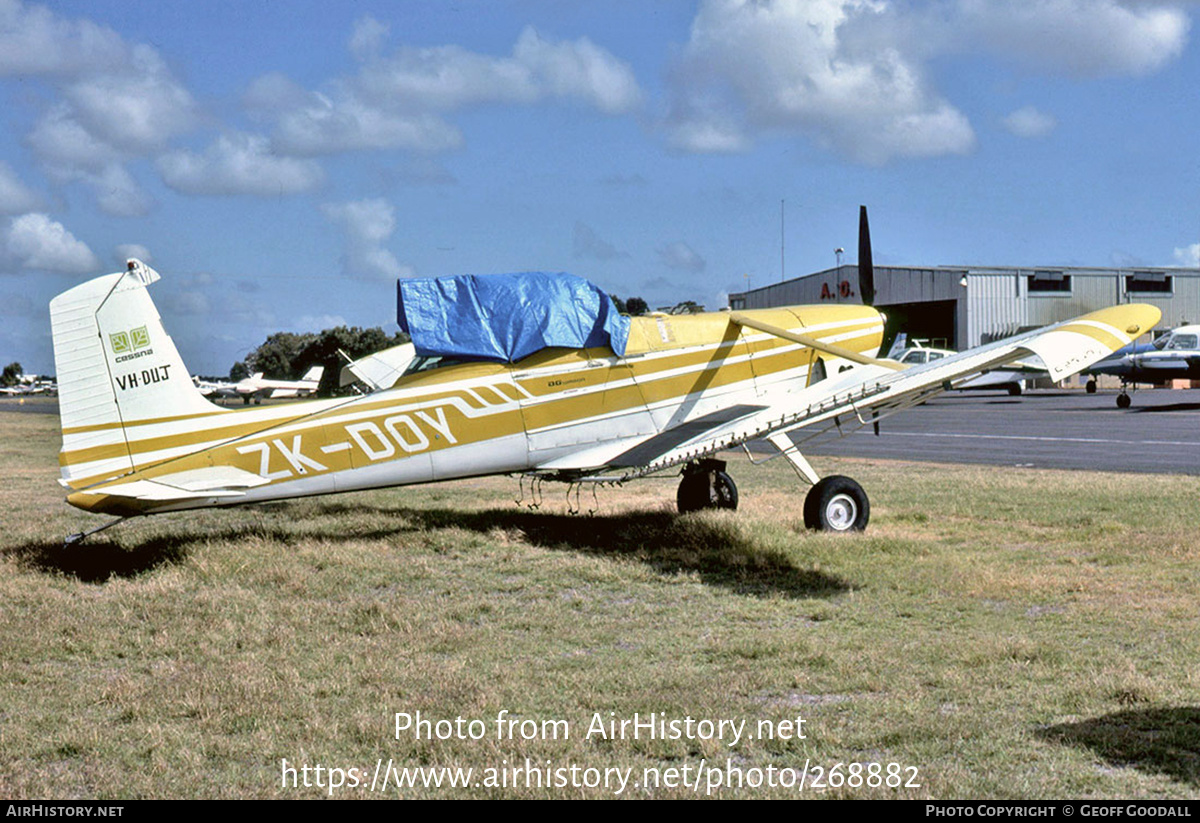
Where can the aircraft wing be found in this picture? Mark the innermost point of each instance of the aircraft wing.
(864, 394)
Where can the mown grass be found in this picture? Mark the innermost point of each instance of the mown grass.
(1011, 633)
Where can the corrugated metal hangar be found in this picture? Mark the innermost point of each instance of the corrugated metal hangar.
(963, 306)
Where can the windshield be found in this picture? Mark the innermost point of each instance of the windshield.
(1182, 341)
(420, 364)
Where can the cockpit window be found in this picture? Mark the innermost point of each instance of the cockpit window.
(1182, 341)
(935, 355)
(913, 356)
(420, 364)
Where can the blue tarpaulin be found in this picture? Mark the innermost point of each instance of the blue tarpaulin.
(507, 316)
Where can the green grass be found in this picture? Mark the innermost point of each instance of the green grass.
(1010, 633)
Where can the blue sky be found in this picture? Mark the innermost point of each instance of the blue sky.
(281, 164)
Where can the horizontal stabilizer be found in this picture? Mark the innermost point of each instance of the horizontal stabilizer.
(380, 370)
(151, 491)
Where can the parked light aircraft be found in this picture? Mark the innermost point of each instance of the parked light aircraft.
(1174, 355)
(1011, 379)
(257, 388)
(634, 396)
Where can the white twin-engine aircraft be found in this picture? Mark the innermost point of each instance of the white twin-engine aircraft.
(533, 374)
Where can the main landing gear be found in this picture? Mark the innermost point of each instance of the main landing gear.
(837, 504)
(705, 485)
(834, 504)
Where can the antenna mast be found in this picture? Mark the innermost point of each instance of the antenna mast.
(782, 259)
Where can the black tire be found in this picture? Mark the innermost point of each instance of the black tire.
(1124, 401)
(837, 504)
(1014, 389)
(1090, 387)
(706, 490)
(725, 493)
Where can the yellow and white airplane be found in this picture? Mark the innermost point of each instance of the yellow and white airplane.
(633, 396)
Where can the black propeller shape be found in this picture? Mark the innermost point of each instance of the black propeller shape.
(866, 268)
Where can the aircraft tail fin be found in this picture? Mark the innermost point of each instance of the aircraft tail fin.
(314, 374)
(116, 366)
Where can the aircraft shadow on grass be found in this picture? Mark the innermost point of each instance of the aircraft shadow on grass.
(715, 551)
(102, 560)
(1163, 741)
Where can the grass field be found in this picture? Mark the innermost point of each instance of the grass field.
(1008, 633)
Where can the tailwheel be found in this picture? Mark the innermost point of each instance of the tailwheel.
(706, 486)
(837, 504)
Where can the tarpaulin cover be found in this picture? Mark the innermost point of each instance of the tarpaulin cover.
(507, 316)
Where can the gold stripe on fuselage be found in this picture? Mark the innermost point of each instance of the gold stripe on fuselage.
(667, 360)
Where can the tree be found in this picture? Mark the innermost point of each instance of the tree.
(634, 305)
(276, 358)
(287, 356)
(12, 374)
(685, 307)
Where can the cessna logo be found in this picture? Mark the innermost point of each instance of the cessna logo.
(129, 345)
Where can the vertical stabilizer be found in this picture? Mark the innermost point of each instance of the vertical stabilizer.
(117, 366)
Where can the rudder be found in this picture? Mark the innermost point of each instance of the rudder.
(116, 366)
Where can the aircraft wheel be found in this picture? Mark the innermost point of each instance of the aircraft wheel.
(706, 490)
(1090, 387)
(837, 504)
(1014, 389)
(1124, 401)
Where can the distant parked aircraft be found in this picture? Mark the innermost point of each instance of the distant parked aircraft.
(1175, 355)
(256, 388)
(1010, 379)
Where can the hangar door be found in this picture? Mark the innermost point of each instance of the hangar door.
(933, 321)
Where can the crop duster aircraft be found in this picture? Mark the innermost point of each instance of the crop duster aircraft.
(534, 375)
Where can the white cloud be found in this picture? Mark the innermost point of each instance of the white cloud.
(1030, 122)
(190, 303)
(587, 244)
(751, 69)
(34, 241)
(398, 100)
(15, 197)
(325, 127)
(680, 255)
(577, 69)
(854, 75)
(238, 164)
(34, 40)
(1086, 38)
(367, 37)
(137, 251)
(137, 109)
(1188, 256)
(66, 148)
(115, 102)
(451, 77)
(319, 322)
(367, 225)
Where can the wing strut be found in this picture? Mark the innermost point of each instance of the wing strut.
(812, 342)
